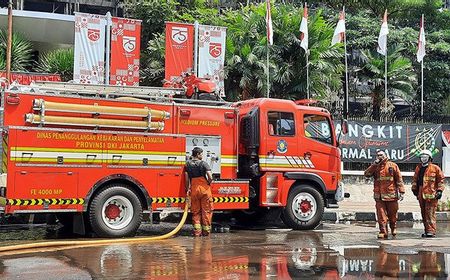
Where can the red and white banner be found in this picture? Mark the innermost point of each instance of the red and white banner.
(125, 51)
(382, 38)
(211, 54)
(269, 27)
(421, 45)
(304, 30)
(26, 78)
(179, 49)
(339, 32)
(89, 50)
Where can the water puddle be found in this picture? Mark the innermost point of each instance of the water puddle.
(271, 254)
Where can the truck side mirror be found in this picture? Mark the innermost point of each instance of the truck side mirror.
(344, 126)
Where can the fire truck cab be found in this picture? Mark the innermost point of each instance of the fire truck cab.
(100, 157)
(290, 153)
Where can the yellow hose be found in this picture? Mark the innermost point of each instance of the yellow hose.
(57, 245)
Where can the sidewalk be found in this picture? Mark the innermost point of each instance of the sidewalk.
(361, 207)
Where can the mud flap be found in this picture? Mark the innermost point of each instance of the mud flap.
(78, 224)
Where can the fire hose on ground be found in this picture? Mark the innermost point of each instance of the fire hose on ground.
(59, 245)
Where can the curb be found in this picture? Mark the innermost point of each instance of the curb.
(338, 216)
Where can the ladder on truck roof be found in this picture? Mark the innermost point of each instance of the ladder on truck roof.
(106, 90)
(159, 94)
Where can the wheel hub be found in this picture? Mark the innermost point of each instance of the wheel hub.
(112, 211)
(305, 206)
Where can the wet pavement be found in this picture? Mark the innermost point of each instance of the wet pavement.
(346, 251)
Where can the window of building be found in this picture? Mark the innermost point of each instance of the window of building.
(281, 124)
(318, 128)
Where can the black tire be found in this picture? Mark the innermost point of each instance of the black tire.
(115, 211)
(304, 208)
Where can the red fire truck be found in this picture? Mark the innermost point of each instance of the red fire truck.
(102, 157)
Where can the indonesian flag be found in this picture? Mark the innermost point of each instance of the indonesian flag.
(304, 29)
(339, 32)
(382, 38)
(269, 23)
(421, 46)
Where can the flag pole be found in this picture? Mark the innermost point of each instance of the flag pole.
(421, 74)
(385, 80)
(346, 109)
(421, 91)
(307, 63)
(307, 74)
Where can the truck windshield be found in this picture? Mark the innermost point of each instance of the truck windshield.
(318, 128)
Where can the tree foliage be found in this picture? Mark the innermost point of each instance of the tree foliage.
(21, 50)
(58, 61)
(246, 47)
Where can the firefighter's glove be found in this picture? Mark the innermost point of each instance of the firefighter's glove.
(415, 192)
(438, 194)
(401, 196)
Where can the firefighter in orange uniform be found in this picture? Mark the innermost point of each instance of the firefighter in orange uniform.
(198, 178)
(427, 186)
(387, 265)
(388, 189)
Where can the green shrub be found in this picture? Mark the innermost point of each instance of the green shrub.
(58, 62)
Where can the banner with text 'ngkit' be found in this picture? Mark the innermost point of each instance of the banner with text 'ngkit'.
(89, 49)
(179, 49)
(401, 142)
(125, 51)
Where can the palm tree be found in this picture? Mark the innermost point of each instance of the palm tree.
(245, 66)
(246, 54)
(152, 61)
(325, 62)
(21, 50)
(401, 78)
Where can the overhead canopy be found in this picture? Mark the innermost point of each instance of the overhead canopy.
(42, 28)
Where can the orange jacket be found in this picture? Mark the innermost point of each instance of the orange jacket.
(387, 182)
(433, 180)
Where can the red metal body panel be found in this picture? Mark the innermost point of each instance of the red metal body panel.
(56, 167)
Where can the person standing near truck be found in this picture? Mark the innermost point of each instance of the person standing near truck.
(198, 179)
(427, 186)
(388, 189)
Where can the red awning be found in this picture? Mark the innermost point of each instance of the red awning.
(446, 137)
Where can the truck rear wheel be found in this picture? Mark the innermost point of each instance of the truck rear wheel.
(115, 212)
(304, 209)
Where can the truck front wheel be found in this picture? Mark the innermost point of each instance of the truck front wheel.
(115, 212)
(304, 209)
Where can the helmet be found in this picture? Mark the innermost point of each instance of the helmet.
(426, 152)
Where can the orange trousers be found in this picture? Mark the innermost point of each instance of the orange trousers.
(386, 212)
(201, 206)
(428, 210)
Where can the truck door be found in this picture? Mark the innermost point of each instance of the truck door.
(281, 142)
(318, 147)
